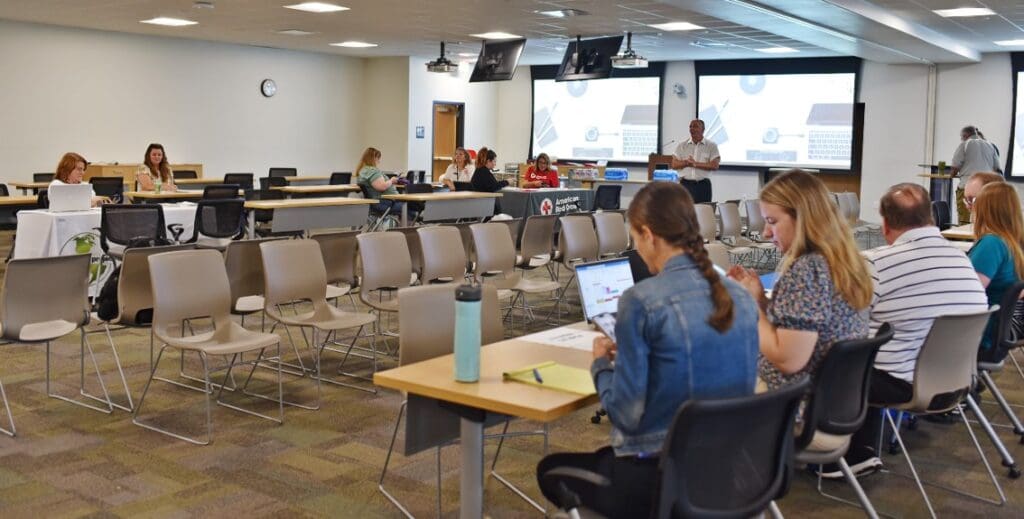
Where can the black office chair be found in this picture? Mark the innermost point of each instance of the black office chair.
(411, 176)
(263, 217)
(417, 207)
(120, 224)
(43, 199)
(421, 176)
(379, 211)
(111, 187)
(607, 197)
(721, 458)
(42, 177)
(341, 178)
(940, 213)
(4, 191)
(219, 219)
(221, 191)
(242, 179)
(839, 403)
(463, 186)
(185, 173)
(283, 172)
(1004, 341)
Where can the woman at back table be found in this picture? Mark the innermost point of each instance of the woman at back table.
(70, 170)
(541, 174)
(686, 333)
(155, 171)
(483, 177)
(460, 170)
(368, 174)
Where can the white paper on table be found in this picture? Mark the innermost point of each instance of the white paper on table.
(565, 337)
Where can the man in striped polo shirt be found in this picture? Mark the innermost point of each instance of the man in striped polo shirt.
(917, 276)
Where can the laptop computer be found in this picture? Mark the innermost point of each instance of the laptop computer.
(601, 283)
(70, 197)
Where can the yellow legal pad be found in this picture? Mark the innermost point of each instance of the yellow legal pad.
(555, 376)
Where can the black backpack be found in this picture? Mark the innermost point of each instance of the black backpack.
(106, 302)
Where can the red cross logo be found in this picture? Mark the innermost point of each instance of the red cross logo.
(546, 207)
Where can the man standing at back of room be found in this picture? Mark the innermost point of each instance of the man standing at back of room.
(697, 157)
(917, 277)
(974, 154)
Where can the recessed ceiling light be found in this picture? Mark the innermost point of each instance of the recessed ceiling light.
(169, 22)
(963, 12)
(563, 13)
(354, 44)
(295, 32)
(776, 50)
(1010, 43)
(317, 7)
(495, 36)
(468, 54)
(676, 26)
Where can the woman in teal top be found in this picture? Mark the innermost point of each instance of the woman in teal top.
(998, 255)
(368, 174)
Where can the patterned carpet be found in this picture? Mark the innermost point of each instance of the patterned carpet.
(72, 462)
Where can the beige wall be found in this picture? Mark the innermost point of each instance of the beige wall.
(386, 84)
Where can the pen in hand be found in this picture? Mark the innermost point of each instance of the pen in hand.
(536, 376)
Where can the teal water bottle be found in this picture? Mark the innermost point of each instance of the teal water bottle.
(467, 333)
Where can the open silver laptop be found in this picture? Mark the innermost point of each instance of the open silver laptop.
(70, 197)
(601, 283)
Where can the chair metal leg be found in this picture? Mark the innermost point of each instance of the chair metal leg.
(120, 372)
(986, 378)
(774, 510)
(906, 455)
(865, 503)
(10, 418)
(387, 461)
(1008, 460)
(142, 399)
(83, 346)
(501, 479)
(220, 392)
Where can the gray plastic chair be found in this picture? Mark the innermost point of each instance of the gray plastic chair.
(339, 254)
(535, 248)
(612, 238)
(706, 221)
(192, 283)
(495, 264)
(45, 299)
(444, 258)
(577, 243)
(415, 250)
(244, 265)
(294, 271)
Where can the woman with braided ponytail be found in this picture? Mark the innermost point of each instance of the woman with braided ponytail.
(823, 285)
(685, 333)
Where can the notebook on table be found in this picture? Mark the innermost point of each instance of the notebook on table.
(70, 197)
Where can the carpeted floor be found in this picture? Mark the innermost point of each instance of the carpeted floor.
(72, 462)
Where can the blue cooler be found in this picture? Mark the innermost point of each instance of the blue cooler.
(666, 175)
(616, 174)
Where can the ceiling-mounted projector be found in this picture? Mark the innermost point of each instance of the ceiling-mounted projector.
(629, 58)
(442, 64)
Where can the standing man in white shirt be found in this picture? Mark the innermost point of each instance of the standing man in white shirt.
(697, 157)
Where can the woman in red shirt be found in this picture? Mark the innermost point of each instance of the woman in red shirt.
(541, 174)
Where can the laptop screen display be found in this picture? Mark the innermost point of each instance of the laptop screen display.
(601, 284)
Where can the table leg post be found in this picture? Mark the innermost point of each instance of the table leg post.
(252, 224)
(471, 491)
(405, 214)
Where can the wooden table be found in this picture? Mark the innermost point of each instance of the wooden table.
(317, 190)
(25, 186)
(434, 379)
(152, 197)
(959, 233)
(10, 205)
(304, 214)
(127, 171)
(447, 206)
(307, 180)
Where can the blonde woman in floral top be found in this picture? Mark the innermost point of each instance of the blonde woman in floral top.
(155, 167)
(824, 286)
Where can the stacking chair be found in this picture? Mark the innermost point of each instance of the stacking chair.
(943, 378)
(294, 272)
(194, 283)
(849, 206)
(467, 243)
(221, 191)
(721, 458)
(415, 251)
(535, 246)
(495, 265)
(45, 299)
(243, 180)
(706, 221)
(444, 258)
(338, 250)
(387, 268)
(719, 254)
(1004, 340)
(377, 215)
(341, 177)
(282, 172)
(435, 333)
(244, 265)
(755, 221)
(135, 302)
(218, 222)
(120, 224)
(577, 244)
(839, 405)
(612, 238)
(758, 253)
(110, 187)
(607, 197)
(515, 229)
(185, 173)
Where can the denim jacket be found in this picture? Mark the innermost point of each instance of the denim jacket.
(667, 353)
